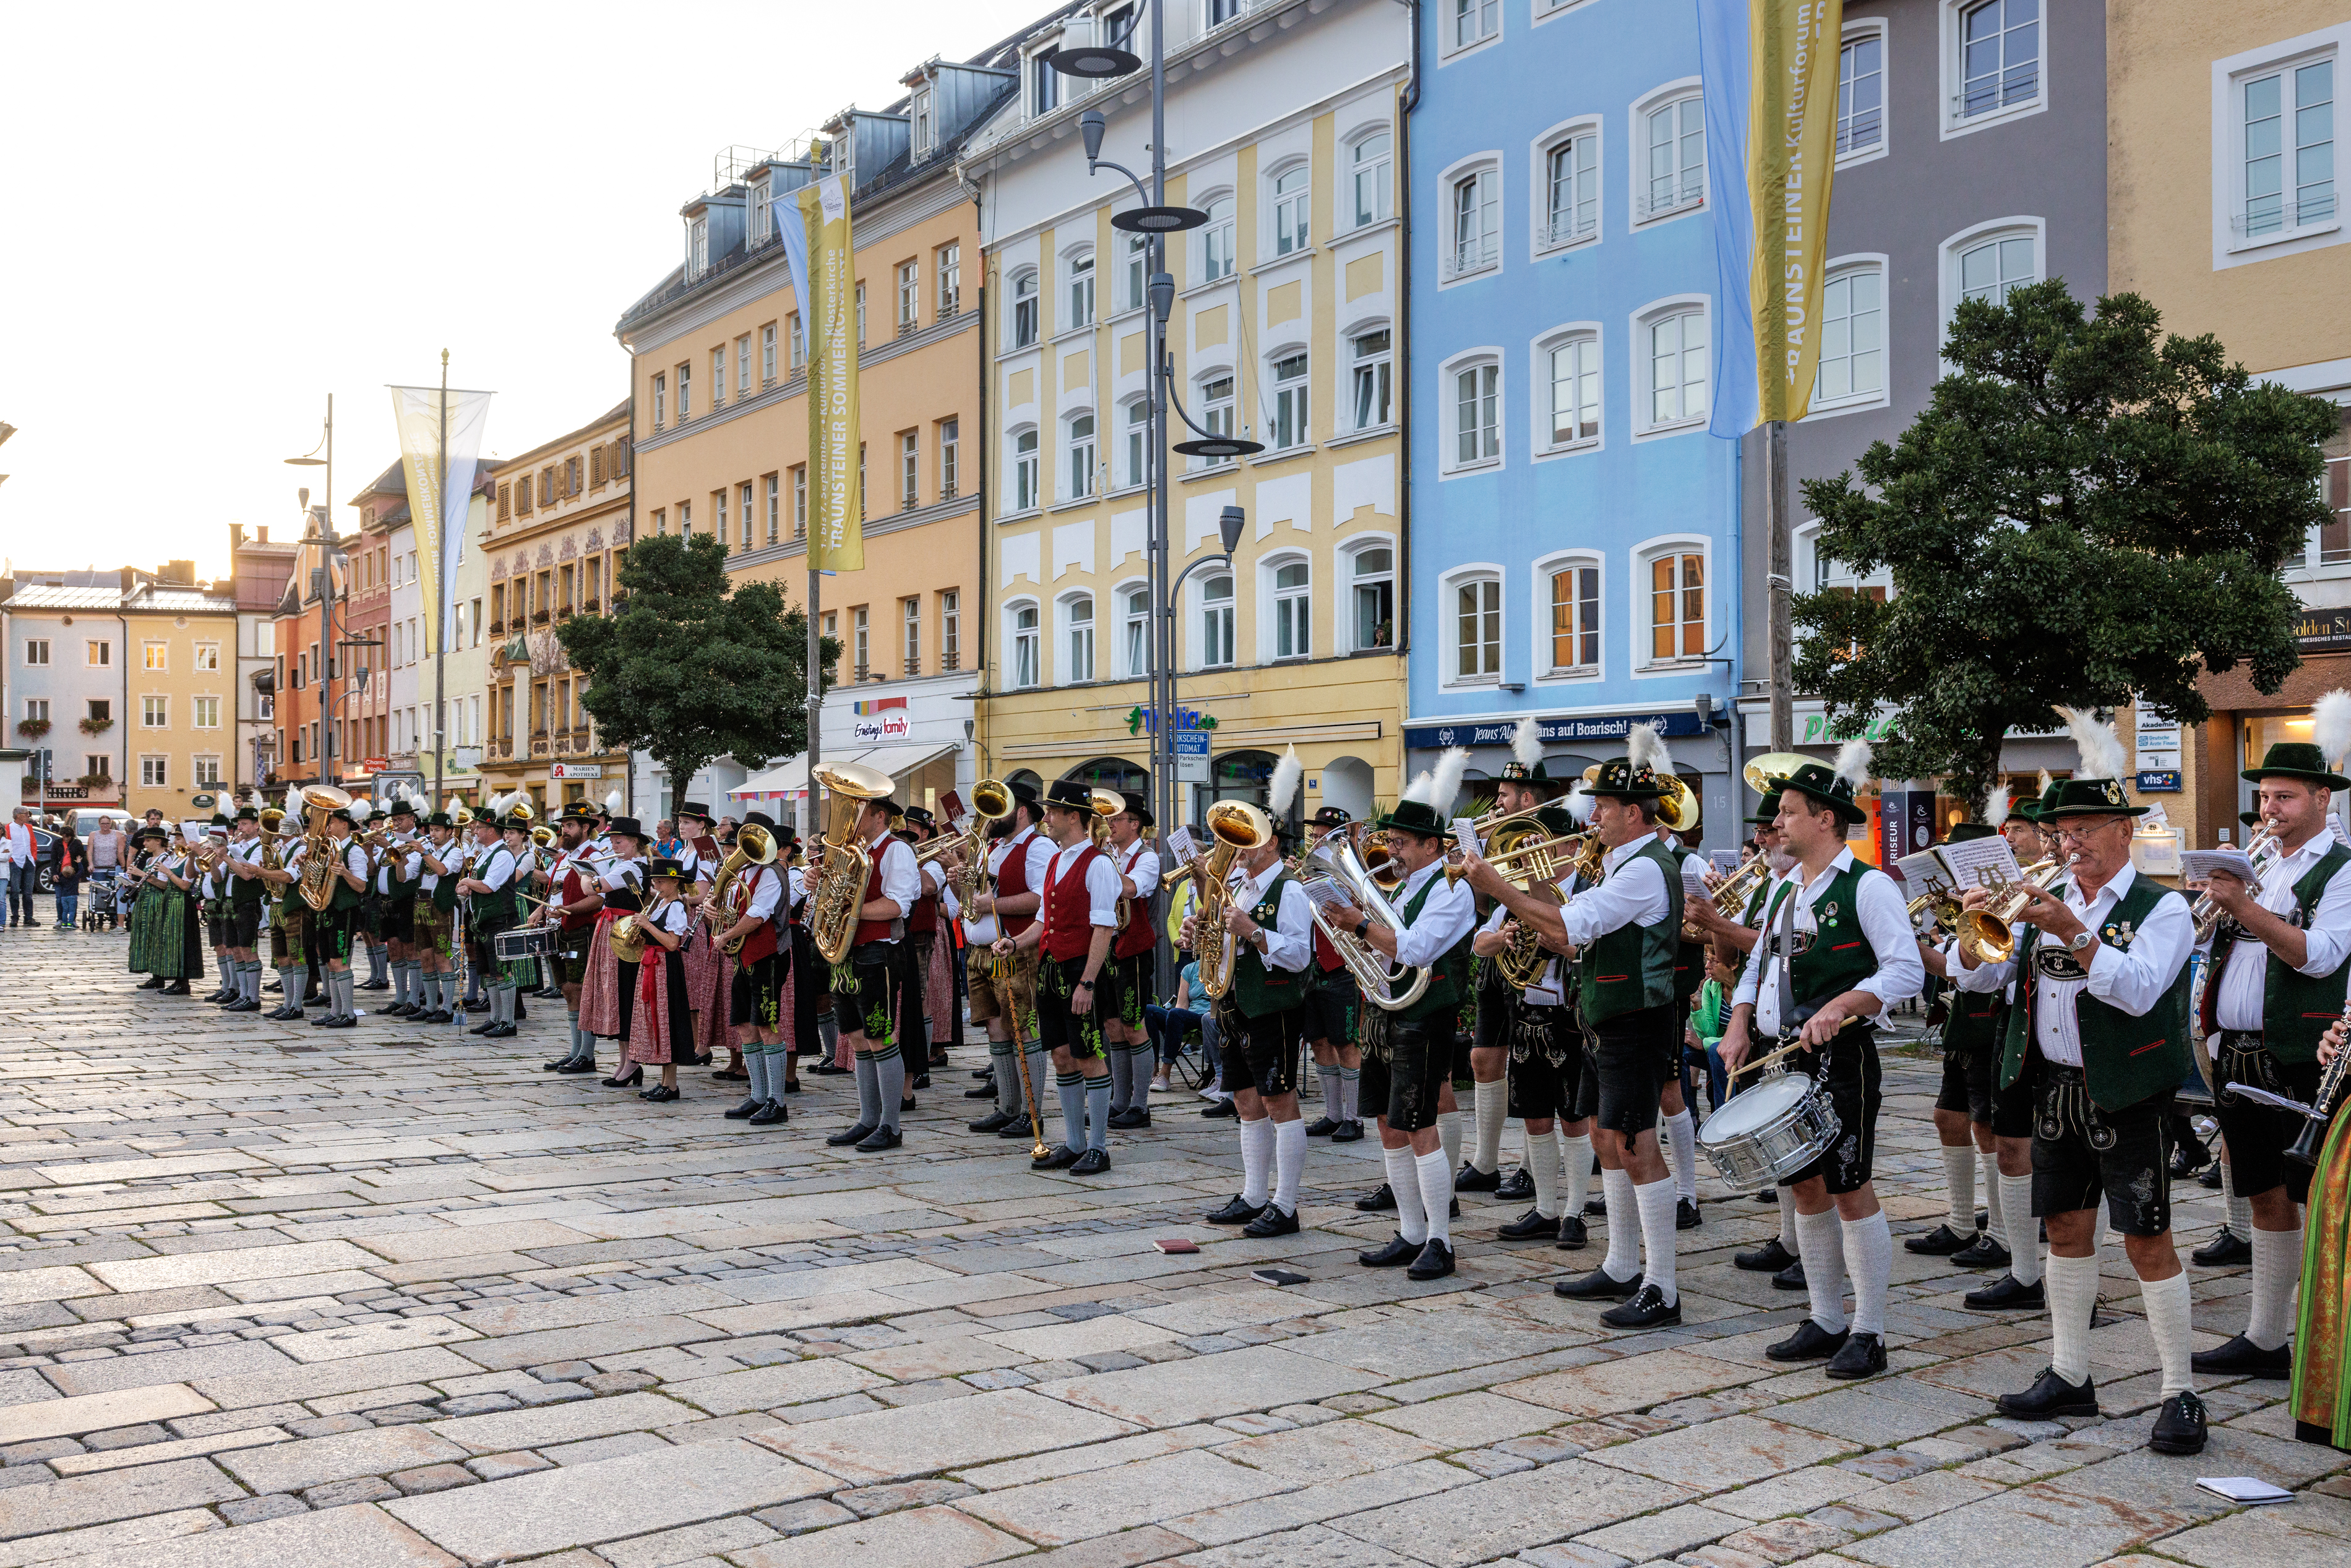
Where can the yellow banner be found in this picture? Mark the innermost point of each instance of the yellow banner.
(836, 528)
(439, 519)
(1791, 158)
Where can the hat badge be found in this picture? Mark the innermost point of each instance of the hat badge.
(2114, 792)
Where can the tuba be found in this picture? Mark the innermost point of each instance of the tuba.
(1383, 984)
(320, 865)
(1235, 825)
(271, 832)
(754, 845)
(839, 865)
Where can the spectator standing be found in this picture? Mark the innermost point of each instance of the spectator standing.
(73, 864)
(24, 868)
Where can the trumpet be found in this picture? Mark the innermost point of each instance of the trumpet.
(1530, 857)
(1935, 911)
(2261, 850)
(1989, 934)
(1731, 894)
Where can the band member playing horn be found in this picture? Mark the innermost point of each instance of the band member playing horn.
(1129, 977)
(1964, 1118)
(933, 928)
(495, 888)
(608, 992)
(1523, 786)
(867, 981)
(1333, 1003)
(246, 893)
(2100, 1027)
(399, 869)
(1408, 1053)
(1005, 905)
(661, 1024)
(1838, 949)
(757, 915)
(336, 921)
(289, 924)
(1080, 905)
(436, 908)
(2280, 951)
(709, 970)
(574, 896)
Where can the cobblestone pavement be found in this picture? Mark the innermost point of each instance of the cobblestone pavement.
(274, 1295)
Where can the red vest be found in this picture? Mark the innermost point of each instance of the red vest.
(1138, 933)
(1011, 882)
(573, 888)
(876, 930)
(1069, 911)
(759, 942)
(1326, 955)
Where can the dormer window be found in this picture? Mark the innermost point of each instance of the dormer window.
(759, 199)
(921, 124)
(697, 247)
(1044, 86)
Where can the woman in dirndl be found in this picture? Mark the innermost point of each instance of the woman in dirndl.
(2322, 1341)
(143, 887)
(661, 1023)
(608, 992)
(175, 939)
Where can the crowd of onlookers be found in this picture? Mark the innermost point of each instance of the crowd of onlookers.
(43, 852)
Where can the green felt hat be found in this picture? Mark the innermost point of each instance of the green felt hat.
(1620, 779)
(2297, 759)
(1416, 817)
(2088, 798)
(1821, 783)
(1968, 833)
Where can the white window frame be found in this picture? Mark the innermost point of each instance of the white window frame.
(1199, 619)
(910, 474)
(767, 354)
(1450, 586)
(1134, 446)
(2229, 77)
(1219, 237)
(196, 711)
(1538, 375)
(1644, 555)
(1077, 643)
(1379, 364)
(1459, 261)
(742, 366)
(1486, 15)
(1024, 646)
(1082, 454)
(1289, 215)
(1539, 610)
(205, 772)
(155, 656)
(1450, 463)
(1133, 271)
(950, 443)
(1133, 627)
(1947, 254)
(923, 123)
(208, 655)
(1855, 32)
(1952, 71)
(1078, 269)
(1025, 472)
(1289, 401)
(41, 660)
(1220, 416)
(1028, 308)
(1275, 598)
(1349, 560)
(1645, 427)
(1547, 235)
(1805, 564)
(154, 711)
(154, 770)
(910, 295)
(1670, 95)
(1835, 269)
(1380, 166)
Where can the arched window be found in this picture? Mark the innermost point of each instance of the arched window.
(1216, 240)
(1675, 577)
(1371, 587)
(1028, 653)
(1081, 267)
(1572, 591)
(1215, 622)
(1373, 373)
(1293, 611)
(1672, 365)
(1474, 414)
(1078, 639)
(1291, 196)
(1851, 336)
(1474, 208)
(1024, 310)
(1134, 630)
(1026, 496)
(1081, 449)
(1476, 612)
(1372, 161)
(1670, 176)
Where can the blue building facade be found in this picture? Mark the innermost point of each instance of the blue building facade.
(1574, 529)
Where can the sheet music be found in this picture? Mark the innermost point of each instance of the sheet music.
(1324, 891)
(2198, 866)
(1982, 863)
(1693, 879)
(1464, 833)
(1724, 861)
(1925, 872)
(1180, 845)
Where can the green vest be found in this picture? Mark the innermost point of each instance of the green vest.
(1448, 978)
(1840, 957)
(1973, 1021)
(2125, 1060)
(346, 896)
(2297, 1008)
(398, 890)
(1259, 989)
(289, 899)
(247, 891)
(1633, 967)
(445, 889)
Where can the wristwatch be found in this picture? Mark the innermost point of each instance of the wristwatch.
(1362, 929)
(2081, 941)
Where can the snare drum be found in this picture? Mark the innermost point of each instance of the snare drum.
(526, 942)
(1771, 1132)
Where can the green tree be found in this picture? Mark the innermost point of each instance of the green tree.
(2087, 511)
(687, 671)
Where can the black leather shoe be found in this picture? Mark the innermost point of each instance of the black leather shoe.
(827, 1068)
(438, 1015)
(1136, 1119)
(578, 1064)
(2009, 1294)
(984, 1091)
(483, 1028)
(1018, 1128)
(1685, 1214)
(994, 1122)
(1059, 1159)
(2052, 1396)
(243, 1004)
(478, 1005)
(1646, 1309)
(1093, 1161)
(2227, 1249)
(1863, 1355)
(1984, 1252)
(391, 1010)
(2241, 1357)
(1321, 1127)
(496, 1031)
(921, 1081)
(1574, 1235)
(1239, 1210)
(883, 1138)
(1348, 1133)
(775, 1113)
(1791, 1278)
(2188, 1156)
(289, 1015)
(276, 1012)
(1768, 1259)
(176, 989)
(2178, 1425)
(153, 983)
(1517, 1185)
(1809, 1343)
(321, 1020)
(1394, 1255)
(743, 1112)
(1122, 1120)
(1221, 1109)
(659, 1094)
(1596, 1206)
(1436, 1261)
(342, 1020)
(1469, 1178)
(2210, 1179)
(1939, 1242)
(554, 1064)
(1597, 1286)
(848, 1135)
(1380, 1198)
(373, 986)
(630, 1080)
(1271, 1222)
(1531, 1225)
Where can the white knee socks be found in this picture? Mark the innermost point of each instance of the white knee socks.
(1819, 1242)
(1436, 1176)
(1787, 1220)
(1679, 1133)
(1575, 1172)
(2241, 1210)
(1542, 1164)
(1288, 1163)
(1656, 1202)
(1869, 1258)
(1960, 1182)
(1995, 1204)
(1448, 1137)
(1493, 1108)
(2024, 1235)
(2073, 1297)
(2277, 1268)
(1403, 1181)
(2167, 1306)
(1257, 1160)
(1624, 1259)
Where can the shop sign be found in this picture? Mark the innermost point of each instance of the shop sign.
(1554, 731)
(882, 726)
(1140, 718)
(2325, 627)
(575, 770)
(2158, 782)
(1191, 757)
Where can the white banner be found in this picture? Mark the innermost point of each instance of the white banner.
(439, 519)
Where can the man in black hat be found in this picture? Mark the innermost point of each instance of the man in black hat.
(247, 891)
(755, 994)
(336, 921)
(399, 869)
(433, 914)
(2279, 958)
(1332, 1000)
(1078, 904)
(2100, 1023)
(865, 1006)
(1005, 904)
(1129, 974)
(492, 885)
(1408, 1053)
(1838, 950)
(1522, 786)
(1625, 936)
(212, 899)
(289, 920)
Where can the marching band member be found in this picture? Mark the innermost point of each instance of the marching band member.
(1332, 1003)
(212, 900)
(932, 927)
(662, 1024)
(762, 964)
(1963, 1106)
(1408, 1053)
(573, 899)
(2100, 1028)
(2280, 956)
(910, 1023)
(1523, 786)
(2322, 1340)
(866, 982)
(608, 993)
(1006, 906)
(708, 971)
(289, 920)
(178, 932)
(1129, 975)
(493, 884)
(245, 891)
(336, 921)
(396, 877)
(1078, 899)
(434, 912)
(1838, 948)
(1625, 936)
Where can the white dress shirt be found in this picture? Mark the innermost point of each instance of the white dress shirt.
(497, 869)
(1102, 882)
(1139, 865)
(2244, 981)
(938, 884)
(672, 918)
(1447, 916)
(902, 879)
(2131, 982)
(619, 874)
(1885, 921)
(1289, 940)
(1633, 893)
(767, 891)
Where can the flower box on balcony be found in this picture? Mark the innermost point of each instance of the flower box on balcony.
(96, 726)
(32, 729)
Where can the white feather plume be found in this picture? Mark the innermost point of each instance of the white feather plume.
(1421, 788)
(1526, 742)
(2330, 725)
(1579, 804)
(1996, 805)
(1647, 749)
(2041, 786)
(613, 803)
(1447, 786)
(1853, 762)
(2102, 749)
(361, 810)
(1282, 793)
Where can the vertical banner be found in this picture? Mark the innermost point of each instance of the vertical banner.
(1769, 68)
(816, 241)
(439, 520)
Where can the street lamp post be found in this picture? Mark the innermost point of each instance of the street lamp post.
(327, 541)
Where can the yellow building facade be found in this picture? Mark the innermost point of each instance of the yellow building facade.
(179, 723)
(1285, 329)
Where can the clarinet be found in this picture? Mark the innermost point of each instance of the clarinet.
(2304, 1150)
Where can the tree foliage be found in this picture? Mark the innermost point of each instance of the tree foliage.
(687, 671)
(2085, 512)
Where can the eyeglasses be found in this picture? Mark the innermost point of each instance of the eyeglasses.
(2077, 834)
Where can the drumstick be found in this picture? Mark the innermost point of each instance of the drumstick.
(1746, 1067)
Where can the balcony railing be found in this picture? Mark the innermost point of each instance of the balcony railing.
(1470, 258)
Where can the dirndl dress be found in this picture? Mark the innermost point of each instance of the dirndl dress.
(2321, 1400)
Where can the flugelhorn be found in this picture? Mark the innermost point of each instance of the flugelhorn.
(1989, 933)
(2261, 848)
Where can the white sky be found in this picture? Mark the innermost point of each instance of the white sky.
(215, 216)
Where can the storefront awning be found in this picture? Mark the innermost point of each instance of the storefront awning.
(789, 782)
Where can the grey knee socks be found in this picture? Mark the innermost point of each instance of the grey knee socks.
(1009, 1100)
(1097, 1112)
(869, 1090)
(1121, 1075)
(891, 1071)
(1071, 1087)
